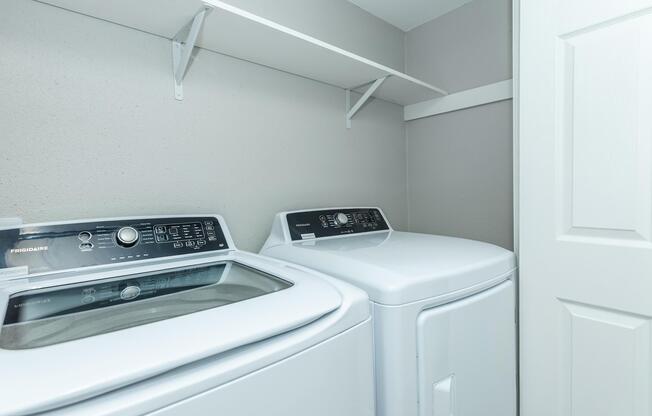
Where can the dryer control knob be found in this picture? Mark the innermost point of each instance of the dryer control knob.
(341, 218)
(127, 236)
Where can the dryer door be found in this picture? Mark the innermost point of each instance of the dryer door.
(466, 356)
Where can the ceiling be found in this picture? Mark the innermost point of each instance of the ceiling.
(408, 14)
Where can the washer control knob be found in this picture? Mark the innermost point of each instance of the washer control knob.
(341, 218)
(127, 236)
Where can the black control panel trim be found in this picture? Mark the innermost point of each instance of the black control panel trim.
(307, 225)
(63, 246)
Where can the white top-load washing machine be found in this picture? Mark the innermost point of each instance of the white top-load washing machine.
(164, 316)
(443, 308)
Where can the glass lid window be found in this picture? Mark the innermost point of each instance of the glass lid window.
(63, 313)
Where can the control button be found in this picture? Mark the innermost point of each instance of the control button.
(210, 227)
(161, 238)
(86, 246)
(130, 292)
(190, 243)
(178, 244)
(208, 222)
(201, 242)
(212, 238)
(174, 230)
(127, 236)
(88, 299)
(85, 236)
(160, 229)
(324, 221)
(341, 218)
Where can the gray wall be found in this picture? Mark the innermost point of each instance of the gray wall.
(466, 48)
(90, 128)
(460, 163)
(338, 22)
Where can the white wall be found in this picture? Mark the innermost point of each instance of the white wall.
(89, 128)
(460, 163)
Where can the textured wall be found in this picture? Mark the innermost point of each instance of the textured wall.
(460, 164)
(466, 48)
(90, 128)
(460, 170)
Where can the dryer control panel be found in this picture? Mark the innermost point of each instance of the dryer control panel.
(308, 225)
(63, 246)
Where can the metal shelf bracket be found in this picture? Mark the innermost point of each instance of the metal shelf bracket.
(351, 111)
(182, 46)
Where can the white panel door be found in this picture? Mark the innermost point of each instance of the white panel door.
(586, 207)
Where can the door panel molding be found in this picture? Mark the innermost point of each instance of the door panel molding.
(604, 140)
(605, 361)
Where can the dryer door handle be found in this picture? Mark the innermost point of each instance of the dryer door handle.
(443, 397)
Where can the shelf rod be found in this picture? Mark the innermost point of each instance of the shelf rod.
(182, 46)
(351, 111)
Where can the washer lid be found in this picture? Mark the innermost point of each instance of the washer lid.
(398, 267)
(57, 348)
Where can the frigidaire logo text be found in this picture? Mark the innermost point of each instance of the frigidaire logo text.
(28, 249)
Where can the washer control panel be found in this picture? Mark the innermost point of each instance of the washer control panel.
(308, 225)
(53, 247)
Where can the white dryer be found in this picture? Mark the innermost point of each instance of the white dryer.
(443, 308)
(164, 316)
